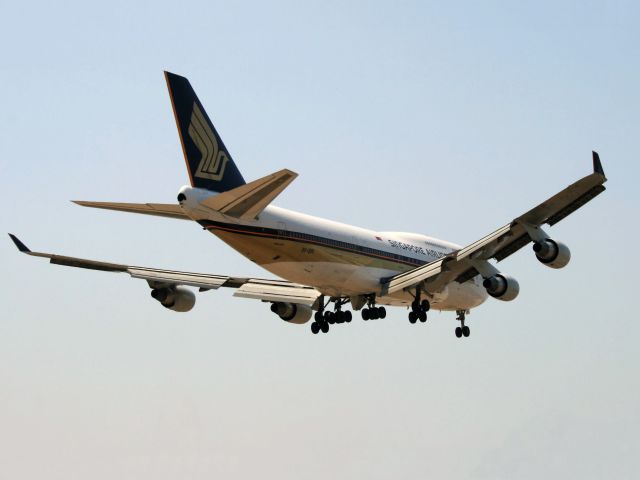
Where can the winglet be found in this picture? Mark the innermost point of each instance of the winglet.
(597, 165)
(21, 246)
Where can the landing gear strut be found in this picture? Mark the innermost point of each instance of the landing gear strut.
(371, 312)
(419, 308)
(462, 330)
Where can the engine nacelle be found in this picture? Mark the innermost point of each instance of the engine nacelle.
(501, 286)
(552, 253)
(178, 299)
(292, 312)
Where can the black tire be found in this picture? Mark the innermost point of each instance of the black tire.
(315, 328)
(348, 316)
(413, 317)
(415, 306)
(465, 331)
(382, 312)
(422, 316)
(365, 314)
(425, 305)
(458, 332)
(318, 317)
(324, 327)
(374, 313)
(329, 317)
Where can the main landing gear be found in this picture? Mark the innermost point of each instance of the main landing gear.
(462, 330)
(322, 318)
(371, 312)
(419, 309)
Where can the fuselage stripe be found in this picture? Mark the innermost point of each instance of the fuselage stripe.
(312, 239)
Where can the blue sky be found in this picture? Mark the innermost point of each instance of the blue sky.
(444, 119)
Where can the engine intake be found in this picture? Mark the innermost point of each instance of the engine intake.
(552, 253)
(503, 287)
(292, 312)
(178, 299)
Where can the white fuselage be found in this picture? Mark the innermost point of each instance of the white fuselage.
(337, 259)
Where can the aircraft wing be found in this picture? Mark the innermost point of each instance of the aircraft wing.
(256, 288)
(462, 264)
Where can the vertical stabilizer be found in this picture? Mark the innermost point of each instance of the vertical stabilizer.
(209, 163)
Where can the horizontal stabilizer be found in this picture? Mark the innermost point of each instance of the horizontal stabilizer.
(247, 201)
(156, 209)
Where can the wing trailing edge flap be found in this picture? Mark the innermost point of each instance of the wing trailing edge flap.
(273, 291)
(411, 278)
(260, 289)
(247, 201)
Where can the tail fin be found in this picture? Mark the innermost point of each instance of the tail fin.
(209, 163)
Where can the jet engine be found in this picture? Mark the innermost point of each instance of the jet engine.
(178, 299)
(501, 286)
(552, 253)
(292, 312)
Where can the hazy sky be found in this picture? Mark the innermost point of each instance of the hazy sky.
(448, 119)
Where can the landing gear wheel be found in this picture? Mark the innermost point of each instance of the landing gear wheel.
(413, 317)
(465, 331)
(318, 317)
(328, 317)
(382, 312)
(365, 314)
(422, 316)
(315, 328)
(324, 327)
(458, 332)
(425, 305)
(348, 316)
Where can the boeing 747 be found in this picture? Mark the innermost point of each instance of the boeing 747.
(328, 269)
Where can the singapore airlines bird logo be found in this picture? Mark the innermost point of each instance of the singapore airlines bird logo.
(213, 161)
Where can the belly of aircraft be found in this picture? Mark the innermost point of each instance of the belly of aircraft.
(336, 272)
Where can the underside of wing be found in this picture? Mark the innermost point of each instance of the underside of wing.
(159, 279)
(471, 260)
(156, 209)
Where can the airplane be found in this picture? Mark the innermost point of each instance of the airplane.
(324, 265)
